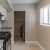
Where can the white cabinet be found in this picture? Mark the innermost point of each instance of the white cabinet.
(4, 12)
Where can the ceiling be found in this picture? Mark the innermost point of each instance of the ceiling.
(8, 3)
(24, 1)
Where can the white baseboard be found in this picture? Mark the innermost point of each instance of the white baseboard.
(30, 42)
(35, 42)
(17, 34)
(42, 48)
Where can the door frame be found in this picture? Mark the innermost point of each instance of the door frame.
(14, 23)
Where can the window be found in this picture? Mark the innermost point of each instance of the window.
(49, 14)
(45, 15)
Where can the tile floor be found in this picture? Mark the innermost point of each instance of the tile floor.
(20, 45)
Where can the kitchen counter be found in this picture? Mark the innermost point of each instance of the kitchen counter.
(5, 28)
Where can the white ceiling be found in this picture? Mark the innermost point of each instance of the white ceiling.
(24, 1)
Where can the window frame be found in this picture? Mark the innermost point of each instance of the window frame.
(42, 23)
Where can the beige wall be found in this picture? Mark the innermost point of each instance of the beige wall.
(10, 22)
(43, 31)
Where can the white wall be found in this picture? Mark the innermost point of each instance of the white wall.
(30, 21)
(43, 31)
(10, 22)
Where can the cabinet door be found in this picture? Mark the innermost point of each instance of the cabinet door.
(4, 12)
(5, 15)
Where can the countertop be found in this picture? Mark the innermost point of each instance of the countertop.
(5, 28)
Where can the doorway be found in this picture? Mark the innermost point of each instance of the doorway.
(19, 26)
